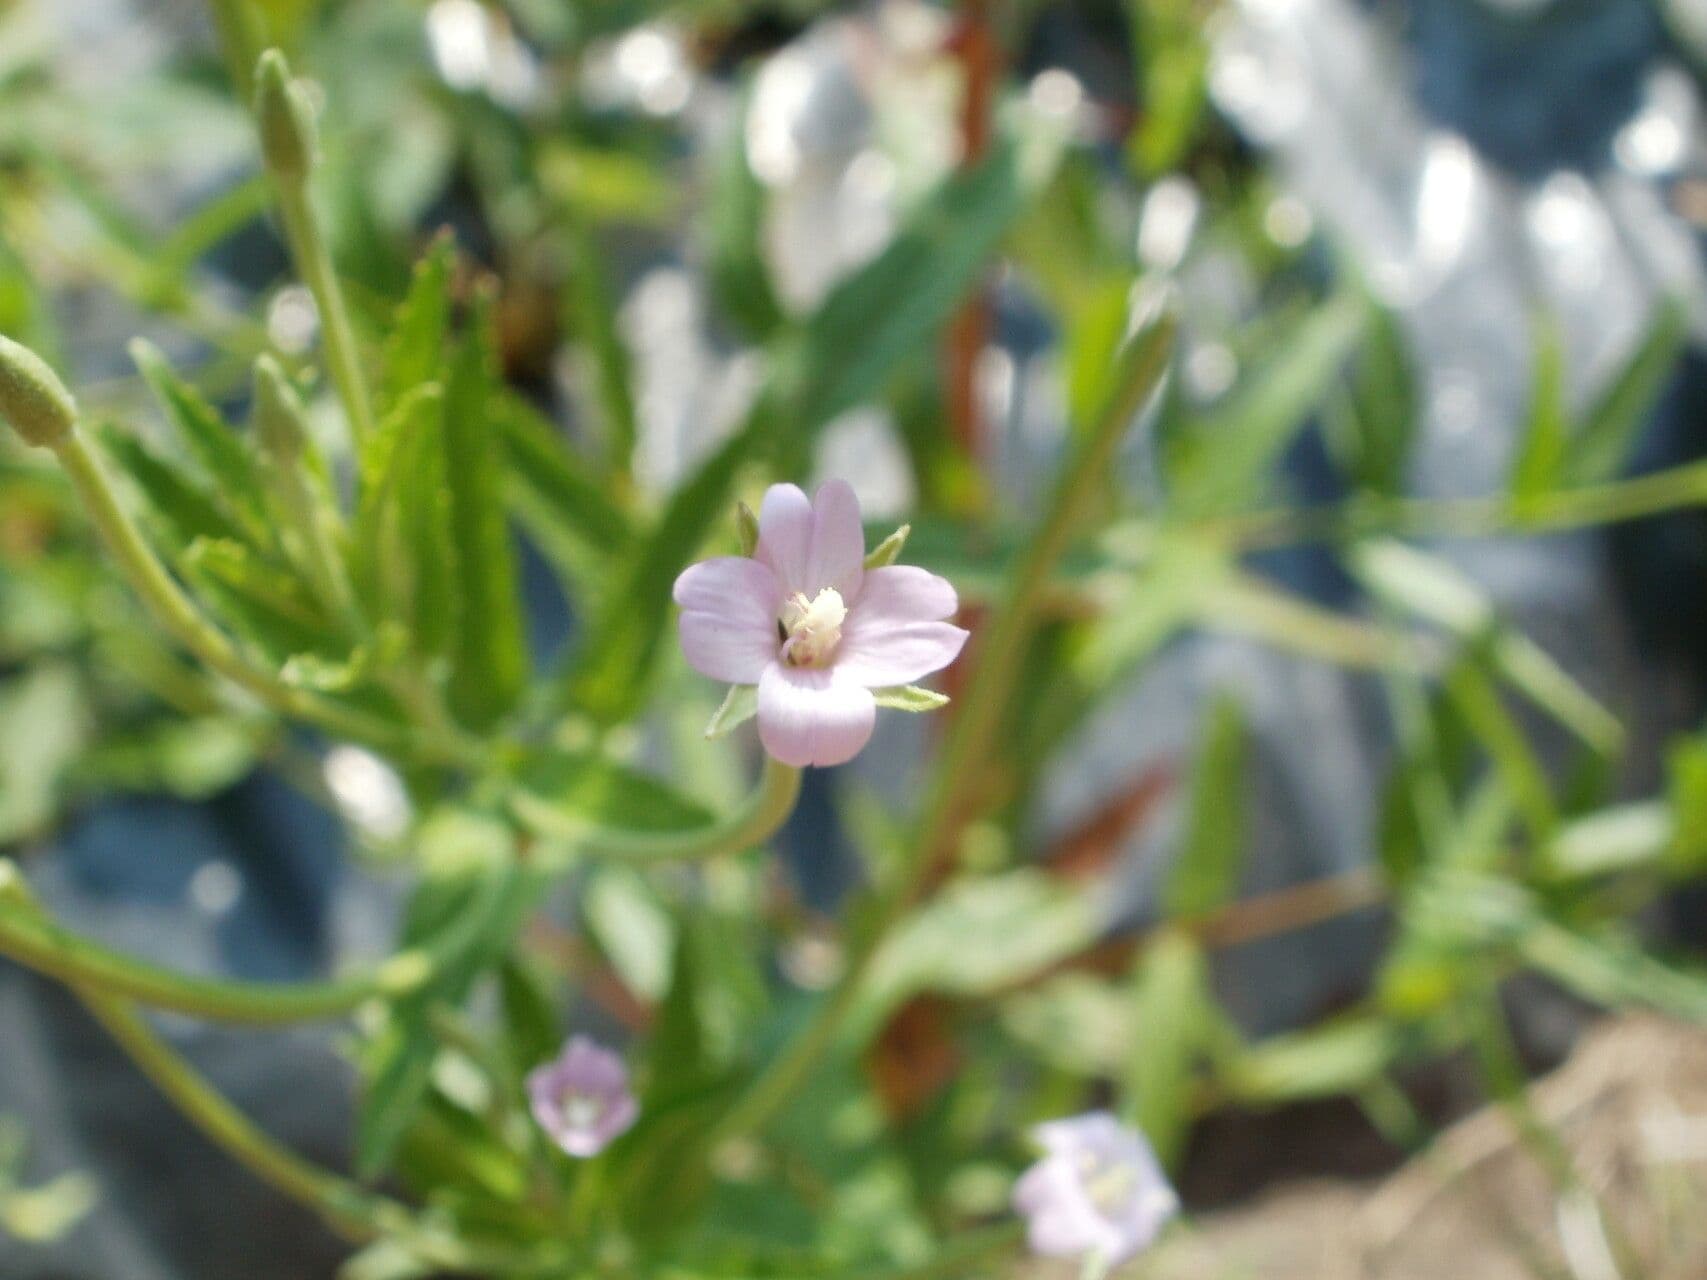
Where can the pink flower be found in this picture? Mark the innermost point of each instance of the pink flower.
(815, 630)
(1098, 1191)
(581, 1098)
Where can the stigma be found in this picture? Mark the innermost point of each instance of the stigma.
(811, 629)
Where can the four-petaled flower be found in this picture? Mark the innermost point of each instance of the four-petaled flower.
(581, 1098)
(1098, 1191)
(812, 627)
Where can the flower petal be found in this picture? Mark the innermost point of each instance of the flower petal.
(810, 716)
(905, 593)
(785, 536)
(728, 623)
(878, 654)
(837, 557)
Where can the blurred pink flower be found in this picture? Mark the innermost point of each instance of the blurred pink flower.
(582, 1098)
(1096, 1193)
(815, 630)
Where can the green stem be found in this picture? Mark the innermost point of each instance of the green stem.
(240, 43)
(996, 663)
(314, 263)
(179, 615)
(53, 950)
(346, 1208)
(757, 819)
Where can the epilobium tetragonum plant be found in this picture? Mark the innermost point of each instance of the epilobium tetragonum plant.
(785, 1083)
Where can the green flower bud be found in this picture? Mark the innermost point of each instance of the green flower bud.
(32, 398)
(278, 413)
(286, 117)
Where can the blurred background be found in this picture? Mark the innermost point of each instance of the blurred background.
(1417, 235)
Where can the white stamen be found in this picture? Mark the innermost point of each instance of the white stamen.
(812, 628)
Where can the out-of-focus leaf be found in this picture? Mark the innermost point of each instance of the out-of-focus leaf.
(1546, 436)
(1630, 837)
(632, 926)
(1175, 1023)
(222, 453)
(1374, 424)
(1608, 426)
(1161, 598)
(44, 725)
(1206, 873)
(415, 347)
(563, 794)
(39, 1214)
(1339, 1057)
(182, 509)
(1171, 54)
(740, 280)
(888, 310)
(978, 937)
(465, 922)
(1224, 456)
(489, 661)
(592, 318)
(611, 671)
(271, 609)
(1429, 588)
(402, 528)
(563, 503)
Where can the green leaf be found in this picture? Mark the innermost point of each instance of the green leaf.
(892, 308)
(415, 348)
(1174, 1021)
(740, 279)
(592, 321)
(270, 608)
(181, 507)
(610, 674)
(1603, 437)
(980, 936)
(222, 453)
(1373, 426)
(465, 921)
(1224, 456)
(402, 526)
(1206, 873)
(44, 727)
(564, 794)
(1434, 590)
(1339, 1057)
(632, 926)
(1161, 599)
(489, 661)
(1546, 436)
(564, 504)
(739, 705)
(910, 697)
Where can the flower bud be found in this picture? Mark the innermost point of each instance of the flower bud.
(286, 119)
(32, 398)
(278, 413)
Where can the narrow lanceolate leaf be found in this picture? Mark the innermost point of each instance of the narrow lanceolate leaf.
(1225, 455)
(1541, 450)
(414, 351)
(610, 676)
(402, 527)
(559, 497)
(180, 508)
(910, 698)
(1175, 1017)
(1206, 873)
(1604, 434)
(592, 318)
(465, 924)
(489, 652)
(739, 705)
(268, 608)
(222, 453)
(889, 310)
(740, 279)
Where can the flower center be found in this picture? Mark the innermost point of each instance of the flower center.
(580, 1110)
(811, 628)
(1108, 1184)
